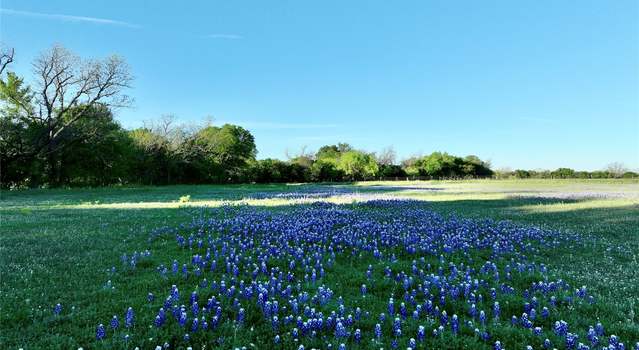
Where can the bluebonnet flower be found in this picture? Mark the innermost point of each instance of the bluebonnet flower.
(525, 321)
(195, 325)
(397, 327)
(561, 328)
(545, 312)
(182, 319)
(571, 340)
(532, 314)
(57, 309)
(174, 267)
(496, 310)
(592, 336)
(158, 322)
(340, 331)
(100, 332)
(240, 316)
(613, 340)
(421, 333)
(195, 309)
(537, 331)
(129, 318)
(454, 324)
(444, 318)
(599, 329)
(115, 323)
(358, 335)
(378, 331)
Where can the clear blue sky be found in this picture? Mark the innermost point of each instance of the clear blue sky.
(525, 84)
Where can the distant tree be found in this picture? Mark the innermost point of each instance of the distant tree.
(328, 152)
(522, 174)
(150, 157)
(229, 148)
(357, 165)
(630, 175)
(411, 165)
(326, 166)
(344, 147)
(301, 164)
(600, 174)
(563, 173)
(391, 170)
(616, 169)
(475, 167)
(270, 170)
(386, 157)
(504, 173)
(99, 151)
(325, 169)
(582, 175)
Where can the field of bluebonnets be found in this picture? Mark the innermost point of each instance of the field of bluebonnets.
(487, 264)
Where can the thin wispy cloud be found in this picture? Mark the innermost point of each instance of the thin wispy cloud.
(279, 126)
(538, 120)
(224, 36)
(68, 18)
(330, 138)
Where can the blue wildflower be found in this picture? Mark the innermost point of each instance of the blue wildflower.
(100, 332)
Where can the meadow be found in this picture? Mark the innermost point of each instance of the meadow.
(493, 264)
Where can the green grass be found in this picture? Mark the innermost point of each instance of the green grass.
(57, 245)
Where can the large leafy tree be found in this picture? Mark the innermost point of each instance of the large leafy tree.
(226, 151)
(358, 165)
(98, 151)
(17, 132)
(65, 91)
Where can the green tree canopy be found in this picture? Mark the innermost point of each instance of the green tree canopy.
(358, 165)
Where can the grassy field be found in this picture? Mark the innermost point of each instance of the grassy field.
(58, 246)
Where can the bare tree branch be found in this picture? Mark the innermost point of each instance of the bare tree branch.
(69, 87)
(6, 57)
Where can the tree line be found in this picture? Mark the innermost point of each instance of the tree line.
(60, 130)
(613, 171)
